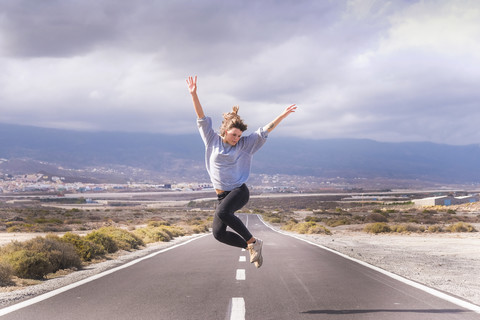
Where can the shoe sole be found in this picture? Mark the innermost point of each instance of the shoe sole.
(259, 253)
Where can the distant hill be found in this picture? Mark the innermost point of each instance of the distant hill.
(182, 156)
(369, 159)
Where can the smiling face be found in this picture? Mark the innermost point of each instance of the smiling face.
(232, 136)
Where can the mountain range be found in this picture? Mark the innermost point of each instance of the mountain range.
(182, 156)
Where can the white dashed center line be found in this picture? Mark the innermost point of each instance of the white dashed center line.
(238, 309)
(241, 274)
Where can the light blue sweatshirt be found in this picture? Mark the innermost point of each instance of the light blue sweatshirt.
(229, 166)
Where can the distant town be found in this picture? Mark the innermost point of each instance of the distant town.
(104, 179)
(40, 182)
(52, 184)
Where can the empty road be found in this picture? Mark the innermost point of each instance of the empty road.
(203, 279)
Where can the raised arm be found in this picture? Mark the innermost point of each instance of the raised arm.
(192, 87)
(269, 127)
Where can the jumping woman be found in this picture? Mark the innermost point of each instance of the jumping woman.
(228, 157)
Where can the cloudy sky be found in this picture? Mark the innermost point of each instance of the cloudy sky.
(384, 70)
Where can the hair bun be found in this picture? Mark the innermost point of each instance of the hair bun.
(232, 120)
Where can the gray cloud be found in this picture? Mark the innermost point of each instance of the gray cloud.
(385, 70)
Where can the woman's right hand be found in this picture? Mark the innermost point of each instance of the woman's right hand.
(192, 84)
(192, 87)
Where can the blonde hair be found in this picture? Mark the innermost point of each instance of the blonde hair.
(232, 120)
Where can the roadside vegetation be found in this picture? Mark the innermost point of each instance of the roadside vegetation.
(68, 247)
(312, 216)
(78, 236)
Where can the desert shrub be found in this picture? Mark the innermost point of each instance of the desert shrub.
(50, 220)
(21, 227)
(292, 221)
(157, 234)
(336, 222)
(158, 223)
(74, 221)
(305, 227)
(413, 220)
(358, 218)
(461, 227)
(426, 218)
(195, 221)
(6, 273)
(173, 231)
(36, 227)
(302, 227)
(196, 225)
(406, 228)
(200, 229)
(435, 229)
(377, 217)
(60, 254)
(318, 229)
(104, 240)
(87, 250)
(398, 228)
(151, 235)
(13, 229)
(35, 258)
(312, 218)
(290, 225)
(379, 227)
(124, 239)
(29, 264)
(272, 217)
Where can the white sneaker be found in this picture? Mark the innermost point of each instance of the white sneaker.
(255, 250)
(259, 262)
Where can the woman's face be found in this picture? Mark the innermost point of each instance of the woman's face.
(232, 136)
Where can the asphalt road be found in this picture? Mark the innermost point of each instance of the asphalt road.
(204, 279)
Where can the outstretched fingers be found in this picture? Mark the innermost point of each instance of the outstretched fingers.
(290, 109)
(192, 83)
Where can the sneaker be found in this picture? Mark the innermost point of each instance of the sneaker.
(255, 250)
(259, 262)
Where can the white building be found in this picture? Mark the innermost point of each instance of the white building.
(445, 200)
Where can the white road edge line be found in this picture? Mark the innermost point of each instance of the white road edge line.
(238, 309)
(434, 292)
(55, 292)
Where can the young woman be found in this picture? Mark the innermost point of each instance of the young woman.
(228, 156)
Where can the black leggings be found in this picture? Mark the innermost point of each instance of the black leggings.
(228, 203)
